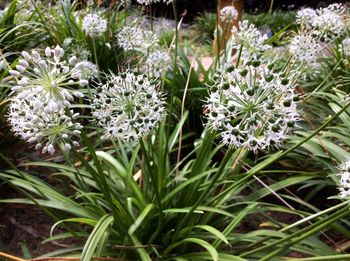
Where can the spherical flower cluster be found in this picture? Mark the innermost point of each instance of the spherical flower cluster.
(304, 48)
(324, 22)
(84, 70)
(146, 2)
(328, 23)
(149, 2)
(249, 41)
(337, 8)
(345, 46)
(47, 128)
(305, 17)
(228, 14)
(76, 48)
(132, 38)
(253, 106)
(344, 179)
(39, 112)
(94, 25)
(51, 76)
(128, 106)
(158, 62)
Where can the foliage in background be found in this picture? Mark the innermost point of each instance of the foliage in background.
(205, 24)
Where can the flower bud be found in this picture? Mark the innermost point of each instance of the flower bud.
(26, 56)
(48, 52)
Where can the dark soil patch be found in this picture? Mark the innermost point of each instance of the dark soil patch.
(23, 228)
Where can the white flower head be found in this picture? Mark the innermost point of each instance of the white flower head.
(344, 179)
(94, 25)
(249, 41)
(337, 8)
(253, 106)
(228, 14)
(50, 76)
(31, 121)
(128, 106)
(85, 70)
(76, 48)
(328, 23)
(158, 62)
(134, 38)
(306, 17)
(325, 23)
(149, 2)
(304, 48)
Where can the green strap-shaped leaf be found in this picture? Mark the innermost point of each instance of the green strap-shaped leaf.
(213, 231)
(140, 219)
(211, 250)
(96, 235)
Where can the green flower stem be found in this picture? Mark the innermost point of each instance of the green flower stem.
(95, 57)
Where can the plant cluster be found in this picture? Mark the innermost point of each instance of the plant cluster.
(162, 158)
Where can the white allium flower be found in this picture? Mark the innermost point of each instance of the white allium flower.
(128, 106)
(132, 38)
(337, 8)
(325, 23)
(85, 70)
(346, 47)
(49, 76)
(304, 48)
(306, 17)
(94, 25)
(76, 48)
(253, 106)
(145, 2)
(158, 63)
(149, 2)
(249, 41)
(47, 128)
(328, 23)
(344, 179)
(228, 14)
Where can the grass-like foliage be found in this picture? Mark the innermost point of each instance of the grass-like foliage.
(154, 155)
